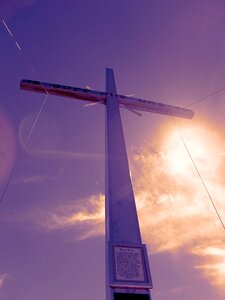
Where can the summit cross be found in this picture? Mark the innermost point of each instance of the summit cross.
(128, 275)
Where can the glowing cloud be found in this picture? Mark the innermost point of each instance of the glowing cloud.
(174, 209)
(85, 216)
(213, 263)
(170, 190)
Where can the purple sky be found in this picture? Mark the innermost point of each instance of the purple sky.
(51, 216)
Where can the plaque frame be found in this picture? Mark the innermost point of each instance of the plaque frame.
(118, 281)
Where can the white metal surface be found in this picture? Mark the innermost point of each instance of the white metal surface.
(122, 228)
(96, 96)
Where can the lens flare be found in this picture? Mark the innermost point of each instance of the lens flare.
(7, 146)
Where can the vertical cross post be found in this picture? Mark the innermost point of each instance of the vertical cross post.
(127, 270)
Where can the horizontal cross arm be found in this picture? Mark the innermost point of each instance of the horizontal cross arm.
(62, 90)
(96, 96)
(156, 107)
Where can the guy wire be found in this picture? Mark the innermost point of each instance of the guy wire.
(36, 118)
(205, 97)
(199, 174)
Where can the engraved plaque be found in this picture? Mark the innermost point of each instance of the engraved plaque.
(129, 264)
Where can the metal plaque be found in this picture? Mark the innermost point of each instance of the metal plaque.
(129, 264)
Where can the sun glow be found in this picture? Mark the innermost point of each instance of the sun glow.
(174, 209)
(191, 143)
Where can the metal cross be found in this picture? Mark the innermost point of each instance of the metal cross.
(128, 274)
